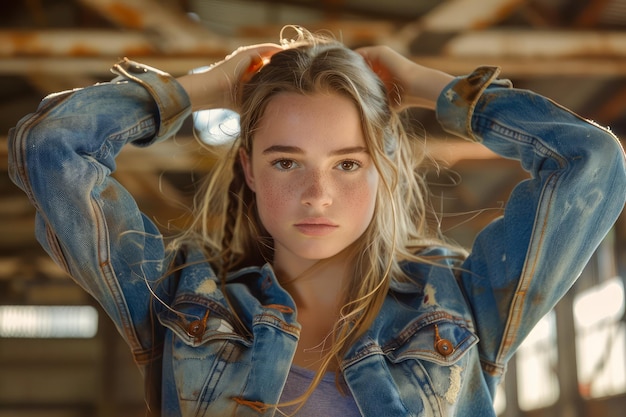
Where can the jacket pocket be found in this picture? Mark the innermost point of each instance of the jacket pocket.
(438, 338)
(434, 356)
(197, 321)
(206, 349)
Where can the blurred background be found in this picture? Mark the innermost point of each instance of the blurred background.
(61, 357)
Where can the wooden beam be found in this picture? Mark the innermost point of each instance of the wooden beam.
(512, 66)
(73, 42)
(520, 52)
(531, 44)
(458, 15)
(171, 28)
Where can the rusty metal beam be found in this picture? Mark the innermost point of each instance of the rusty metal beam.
(75, 42)
(97, 42)
(94, 42)
(496, 44)
(171, 28)
(511, 66)
(456, 15)
(538, 43)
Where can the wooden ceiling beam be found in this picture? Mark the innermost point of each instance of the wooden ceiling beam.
(461, 15)
(171, 29)
(85, 51)
(362, 10)
(100, 42)
(529, 44)
(512, 66)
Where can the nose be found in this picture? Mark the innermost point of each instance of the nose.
(316, 190)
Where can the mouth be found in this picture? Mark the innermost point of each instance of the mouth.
(316, 227)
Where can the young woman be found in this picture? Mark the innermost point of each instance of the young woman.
(309, 280)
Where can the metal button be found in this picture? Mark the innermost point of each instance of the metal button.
(195, 328)
(444, 347)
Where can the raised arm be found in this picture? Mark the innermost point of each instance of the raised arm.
(62, 156)
(523, 263)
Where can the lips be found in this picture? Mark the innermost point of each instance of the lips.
(316, 226)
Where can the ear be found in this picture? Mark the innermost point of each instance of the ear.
(246, 164)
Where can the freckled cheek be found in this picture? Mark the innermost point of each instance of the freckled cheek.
(357, 194)
(361, 196)
(273, 200)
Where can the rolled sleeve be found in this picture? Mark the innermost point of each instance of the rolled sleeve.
(172, 101)
(457, 101)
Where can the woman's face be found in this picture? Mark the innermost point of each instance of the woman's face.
(314, 180)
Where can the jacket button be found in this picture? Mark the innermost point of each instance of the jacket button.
(444, 347)
(196, 328)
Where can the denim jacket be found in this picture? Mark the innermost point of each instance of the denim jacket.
(440, 344)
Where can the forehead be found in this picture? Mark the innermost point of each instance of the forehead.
(315, 120)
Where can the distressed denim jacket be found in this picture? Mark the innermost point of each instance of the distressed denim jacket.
(440, 344)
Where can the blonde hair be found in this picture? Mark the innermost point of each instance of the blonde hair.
(226, 224)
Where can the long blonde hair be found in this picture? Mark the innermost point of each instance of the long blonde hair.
(226, 223)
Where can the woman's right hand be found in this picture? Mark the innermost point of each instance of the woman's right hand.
(217, 86)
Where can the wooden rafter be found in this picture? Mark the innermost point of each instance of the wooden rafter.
(458, 15)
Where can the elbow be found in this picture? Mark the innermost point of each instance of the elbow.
(31, 140)
(606, 166)
(612, 157)
(39, 148)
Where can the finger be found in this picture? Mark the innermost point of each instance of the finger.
(256, 62)
(257, 56)
(244, 54)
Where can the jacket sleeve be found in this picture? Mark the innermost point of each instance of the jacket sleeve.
(62, 157)
(523, 263)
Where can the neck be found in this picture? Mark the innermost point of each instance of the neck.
(319, 294)
(320, 286)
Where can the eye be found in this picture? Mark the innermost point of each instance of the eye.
(349, 165)
(284, 164)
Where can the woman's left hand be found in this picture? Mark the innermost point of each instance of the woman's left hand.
(408, 83)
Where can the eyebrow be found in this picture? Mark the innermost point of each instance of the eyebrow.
(297, 150)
